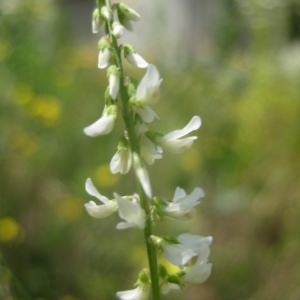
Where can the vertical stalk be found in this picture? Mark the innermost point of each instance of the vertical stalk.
(133, 141)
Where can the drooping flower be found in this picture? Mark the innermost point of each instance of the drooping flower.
(142, 175)
(174, 142)
(99, 211)
(114, 81)
(149, 151)
(187, 247)
(148, 89)
(104, 53)
(105, 124)
(117, 30)
(131, 212)
(96, 21)
(122, 160)
(181, 207)
(201, 270)
(139, 293)
(146, 113)
(126, 14)
(133, 57)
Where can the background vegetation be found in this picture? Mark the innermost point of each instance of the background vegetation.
(247, 157)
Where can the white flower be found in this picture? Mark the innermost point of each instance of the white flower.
(133, 57)
(127, 14)
(118, 30)
(182, 204)
(148, 89)
(105, 124)
(121, 161)
(103, 58)
(142, 175)
(98, 211)
(131, 212)
(173, 142)
(201, 270)
(188, 246)
(149, 151)
(114, 81)
(139, 293)
(146, 113)
(96, 21)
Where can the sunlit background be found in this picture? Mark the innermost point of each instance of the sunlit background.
(236, 63)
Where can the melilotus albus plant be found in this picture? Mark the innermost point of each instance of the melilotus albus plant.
(137, 147)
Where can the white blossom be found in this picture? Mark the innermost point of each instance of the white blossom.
(131, 212)
(188, 246)
(146, 113)
(201, 270)
(182, 204)
(139, 293)
(103, 58)
(118, 30)
(121, 161)
(105, 124)
(173, 140)
(148, 89)
(98, 211)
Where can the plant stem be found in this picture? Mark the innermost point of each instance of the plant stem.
(133, 141)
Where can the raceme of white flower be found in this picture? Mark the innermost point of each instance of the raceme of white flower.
(138, 146)
(182, 205)
(99, 211)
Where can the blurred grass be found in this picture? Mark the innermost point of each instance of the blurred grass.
(246, 159)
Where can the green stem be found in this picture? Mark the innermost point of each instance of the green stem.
(133, 141)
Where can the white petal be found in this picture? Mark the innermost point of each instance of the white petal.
(121, 162)
(100, 211)
(146, 113)
(179, 193)
(114, 85)
(149, 151)
(102, 126)
(136, 60)
(91, 190)
(178, 145)
(103, 58)
(131, 212)
(194, 124)
(198, 273)
(148, 89)
(178, 254)
(139, 293)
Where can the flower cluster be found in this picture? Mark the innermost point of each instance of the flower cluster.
(138, 146)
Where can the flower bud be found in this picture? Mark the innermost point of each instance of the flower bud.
(104, 53)
(118, 30)
(106, 13)
(114, 81)
(96, 21)
(133, 57)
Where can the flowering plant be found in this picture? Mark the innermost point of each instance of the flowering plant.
(137, 147)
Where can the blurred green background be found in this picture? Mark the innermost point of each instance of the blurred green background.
(246, 88)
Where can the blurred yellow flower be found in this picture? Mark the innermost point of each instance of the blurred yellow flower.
(9, 229)
(69, 208)
(191, 160)
(104, 178)
(46, 109)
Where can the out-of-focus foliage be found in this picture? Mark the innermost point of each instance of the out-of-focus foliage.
(247, 158)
